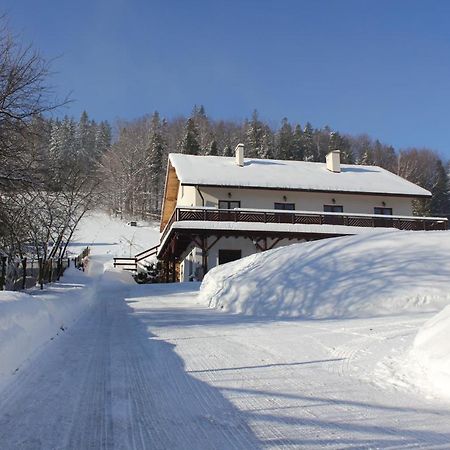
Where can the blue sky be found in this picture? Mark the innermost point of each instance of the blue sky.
(361, 66)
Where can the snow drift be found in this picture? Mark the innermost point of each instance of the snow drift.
(29, 320)
(355, 276)
(431, 353)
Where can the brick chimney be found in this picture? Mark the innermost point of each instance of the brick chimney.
(240, 155)
(334, 161)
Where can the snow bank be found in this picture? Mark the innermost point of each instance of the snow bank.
(27, 321)
(431, 353)
(355, 276)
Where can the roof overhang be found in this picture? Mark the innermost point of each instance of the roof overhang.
(321, 191)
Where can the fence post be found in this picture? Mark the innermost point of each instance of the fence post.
(50, 270)
(41, 273)
(24, 273)
(3, 275)
(58, 269)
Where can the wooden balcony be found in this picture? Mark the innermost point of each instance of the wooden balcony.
(409, 223)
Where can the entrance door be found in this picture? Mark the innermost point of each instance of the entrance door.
(226, 256)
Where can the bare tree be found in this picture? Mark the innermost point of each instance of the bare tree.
(24, 95)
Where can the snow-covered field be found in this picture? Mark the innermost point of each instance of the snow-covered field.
(109, 236)
(152, 366)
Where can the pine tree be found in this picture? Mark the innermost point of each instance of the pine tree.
(285, 141)
(212, 149)
(190, 144)
(338, 142)
(156, 155)
(308, 143)
(228, 151)
(102, 138)
(55, 146)
(254, 136)
(440, 196)
(297, 144)
(267, 150)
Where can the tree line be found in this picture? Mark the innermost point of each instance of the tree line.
(134, 167)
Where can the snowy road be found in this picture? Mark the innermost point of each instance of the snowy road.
(148, 368)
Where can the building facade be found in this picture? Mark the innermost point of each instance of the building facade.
(219, 209)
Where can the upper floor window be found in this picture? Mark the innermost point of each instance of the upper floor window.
(229, 204)
(284, 206)
(333, 208)
(382, 210)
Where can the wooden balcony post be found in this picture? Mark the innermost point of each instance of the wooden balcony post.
(204, 248)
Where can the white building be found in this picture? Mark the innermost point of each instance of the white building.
(218, 209)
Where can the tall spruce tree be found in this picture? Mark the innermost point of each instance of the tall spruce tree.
(285, 141)
(309, 152)
(254, 136)
(190, 144)
(212, 150)
(297, 144)
(440, 195)
(157, 152)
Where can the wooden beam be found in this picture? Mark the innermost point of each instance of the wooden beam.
(275, 242)
(170, 195)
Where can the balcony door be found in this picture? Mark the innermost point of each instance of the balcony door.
(228, 204)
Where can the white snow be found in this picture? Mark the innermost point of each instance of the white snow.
(150, 366)
(373, 274)
(30, 319)
(110, 236)
(267, 173)
(431, 353)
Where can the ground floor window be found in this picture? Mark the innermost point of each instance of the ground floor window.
(382, 210)
(226, 256)
(333, 208)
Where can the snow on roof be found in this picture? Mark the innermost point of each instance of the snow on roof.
(296, 175)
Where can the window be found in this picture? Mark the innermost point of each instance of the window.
(382, 210)
(333, 208)
(285, 206)
(229, 204)
(226, 256)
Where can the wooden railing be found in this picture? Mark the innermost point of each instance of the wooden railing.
(132, 262)
(305, 218)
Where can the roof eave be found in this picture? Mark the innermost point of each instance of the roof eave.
(390, 194)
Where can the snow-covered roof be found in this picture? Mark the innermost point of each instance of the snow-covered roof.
(295, 175)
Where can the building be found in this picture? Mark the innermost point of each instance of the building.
(219, 209)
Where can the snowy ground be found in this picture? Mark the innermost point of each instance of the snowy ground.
(109, 237)
(151, 367)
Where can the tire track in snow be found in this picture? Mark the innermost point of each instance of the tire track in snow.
(108, 384)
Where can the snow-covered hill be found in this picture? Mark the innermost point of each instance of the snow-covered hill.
(112, 236)
(355, 276)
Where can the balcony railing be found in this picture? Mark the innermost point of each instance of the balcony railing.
(410, 223)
